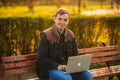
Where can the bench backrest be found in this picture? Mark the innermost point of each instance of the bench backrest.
(19, 64)
(26, 63)
(102, 54)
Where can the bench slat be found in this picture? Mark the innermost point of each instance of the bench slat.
(20, 71)
(97, 49)
(19, 64)
(102, 72)
(104, 54)
(19, 58)
(105, 59)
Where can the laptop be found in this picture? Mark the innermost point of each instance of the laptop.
(78, 63)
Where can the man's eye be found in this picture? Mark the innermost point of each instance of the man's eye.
(65, 19)
(59, 18)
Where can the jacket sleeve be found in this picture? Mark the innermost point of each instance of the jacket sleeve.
(43, 61)
(75, 49)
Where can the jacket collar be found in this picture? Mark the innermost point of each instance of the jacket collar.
(54, 37)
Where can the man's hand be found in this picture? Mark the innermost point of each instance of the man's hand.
(62, 67)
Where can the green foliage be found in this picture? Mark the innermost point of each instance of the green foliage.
(83, 28)
(23, 33)
(113, 25)
(20, 34)
(90, 31)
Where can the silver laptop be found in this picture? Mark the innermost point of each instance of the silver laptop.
(78, 63)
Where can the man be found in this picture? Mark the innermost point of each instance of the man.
(56, 45)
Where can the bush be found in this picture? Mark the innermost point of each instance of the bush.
(23, 34)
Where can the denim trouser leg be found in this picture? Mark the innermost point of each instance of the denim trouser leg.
(58, 75)
(85, 75)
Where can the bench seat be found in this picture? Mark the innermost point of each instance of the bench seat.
(102, 72)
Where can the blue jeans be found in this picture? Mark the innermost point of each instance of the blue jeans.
(58, 75)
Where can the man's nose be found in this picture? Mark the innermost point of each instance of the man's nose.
(62, 21)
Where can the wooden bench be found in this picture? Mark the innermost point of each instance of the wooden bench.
(17, 65)
(104, 55)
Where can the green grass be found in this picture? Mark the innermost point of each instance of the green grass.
(44, 10)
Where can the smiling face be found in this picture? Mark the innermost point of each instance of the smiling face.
(61, 21)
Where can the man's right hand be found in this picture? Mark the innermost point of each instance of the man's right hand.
(62, 67)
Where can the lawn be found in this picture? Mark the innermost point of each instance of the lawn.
(42, 10)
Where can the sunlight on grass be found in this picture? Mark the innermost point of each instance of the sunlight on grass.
(44, 11)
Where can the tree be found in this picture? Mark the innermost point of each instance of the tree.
(79, 6)
(101, 4)
(57, 3)
(30, 5)
(4, 2)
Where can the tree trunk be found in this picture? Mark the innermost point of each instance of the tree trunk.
(57, 3)
(79, 6)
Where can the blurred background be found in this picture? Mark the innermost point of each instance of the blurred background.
(22, 21)
(18, 8)
(92, 21)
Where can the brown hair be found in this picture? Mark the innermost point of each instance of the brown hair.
(61, 11)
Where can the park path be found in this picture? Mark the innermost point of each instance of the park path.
(102, 12)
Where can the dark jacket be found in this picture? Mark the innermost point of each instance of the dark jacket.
(49, 50)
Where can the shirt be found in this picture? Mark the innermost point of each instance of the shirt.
(62, 54)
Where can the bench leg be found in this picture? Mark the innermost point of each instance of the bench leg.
(19, 77)
(118, 77)
(110, 78)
